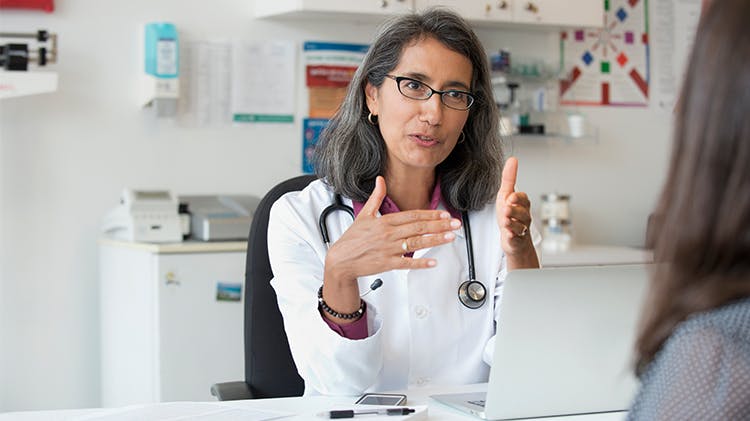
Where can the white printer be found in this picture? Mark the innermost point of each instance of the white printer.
(220, 217)
(149, 216)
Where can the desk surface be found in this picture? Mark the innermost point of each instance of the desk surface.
(305, 408)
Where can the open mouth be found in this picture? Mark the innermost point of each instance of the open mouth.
(424, 140)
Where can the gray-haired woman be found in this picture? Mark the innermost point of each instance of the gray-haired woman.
(415, 152)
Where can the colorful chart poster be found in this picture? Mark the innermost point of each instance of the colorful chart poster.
(329, 67)
(311, 128)
(608, 66)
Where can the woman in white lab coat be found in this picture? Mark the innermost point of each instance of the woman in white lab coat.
(415, 144)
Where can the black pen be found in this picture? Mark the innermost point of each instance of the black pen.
(350, 413)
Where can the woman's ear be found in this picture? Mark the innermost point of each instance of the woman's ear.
(371, 96)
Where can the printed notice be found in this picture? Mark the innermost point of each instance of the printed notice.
(329, 67)
(263, 82)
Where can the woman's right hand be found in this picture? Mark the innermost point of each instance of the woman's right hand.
(377, 244)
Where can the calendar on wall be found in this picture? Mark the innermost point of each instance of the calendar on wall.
(608, 66)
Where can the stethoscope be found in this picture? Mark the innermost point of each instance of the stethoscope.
(471, 292)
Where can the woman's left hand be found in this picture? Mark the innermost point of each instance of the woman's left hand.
(513, 211)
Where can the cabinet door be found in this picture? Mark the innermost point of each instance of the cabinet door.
(474, 11)
(302, 8)
(586, 13)
(201, 339)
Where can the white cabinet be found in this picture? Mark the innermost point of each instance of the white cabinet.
(553, 13)
(165, 335)
(330, 8)
(497, 11)
(585, 13)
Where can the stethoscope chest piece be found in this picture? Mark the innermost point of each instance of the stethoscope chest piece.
(472, 294)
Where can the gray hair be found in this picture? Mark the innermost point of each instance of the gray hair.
(352, 153)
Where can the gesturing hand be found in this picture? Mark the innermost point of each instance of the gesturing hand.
(513, 211)
(377, 244)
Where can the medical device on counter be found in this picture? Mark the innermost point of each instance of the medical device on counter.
(144, 216)
(222, 217)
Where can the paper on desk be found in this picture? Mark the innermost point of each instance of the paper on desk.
(178, 411)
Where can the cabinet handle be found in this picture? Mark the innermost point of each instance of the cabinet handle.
(383, 4)
(531, 7)
(171, 278)
(487, 8)
(502, 5)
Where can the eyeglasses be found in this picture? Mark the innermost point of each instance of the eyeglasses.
(414, 89)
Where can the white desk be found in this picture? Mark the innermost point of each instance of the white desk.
(595, 255)
(305, 408)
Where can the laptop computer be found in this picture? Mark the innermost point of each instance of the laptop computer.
(564, 344)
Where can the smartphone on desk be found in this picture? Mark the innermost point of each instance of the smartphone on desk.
(388, 399)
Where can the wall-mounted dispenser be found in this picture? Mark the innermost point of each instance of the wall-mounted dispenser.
(161, 68)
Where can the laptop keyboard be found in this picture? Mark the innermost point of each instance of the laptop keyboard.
(477, 403)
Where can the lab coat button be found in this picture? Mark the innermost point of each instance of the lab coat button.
(420, 311)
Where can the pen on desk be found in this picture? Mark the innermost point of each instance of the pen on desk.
(350, 413)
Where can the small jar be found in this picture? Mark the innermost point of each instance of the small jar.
(556, 222)
(556, 234)
(556, 206)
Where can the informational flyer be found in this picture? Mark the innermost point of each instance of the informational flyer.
(329, 67)
(311, 129)
(608, 66)
(263, 82)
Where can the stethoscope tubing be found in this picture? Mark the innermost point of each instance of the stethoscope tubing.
(463, 297)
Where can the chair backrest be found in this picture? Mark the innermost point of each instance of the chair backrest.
(270, 371)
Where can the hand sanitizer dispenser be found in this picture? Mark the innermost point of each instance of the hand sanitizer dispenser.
(161, 68)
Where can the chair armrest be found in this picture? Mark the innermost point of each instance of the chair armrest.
(231, 391)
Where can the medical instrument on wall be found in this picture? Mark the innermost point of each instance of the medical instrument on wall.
(17, 56)
(471, 293)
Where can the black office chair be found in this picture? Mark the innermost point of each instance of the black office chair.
(270, 371)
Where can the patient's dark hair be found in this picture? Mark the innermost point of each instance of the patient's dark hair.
(702, 232)
(351, 152)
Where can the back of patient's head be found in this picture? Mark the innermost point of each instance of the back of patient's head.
(702, 231)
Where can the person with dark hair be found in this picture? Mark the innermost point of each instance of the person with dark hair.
(693, 350)
(413, 196)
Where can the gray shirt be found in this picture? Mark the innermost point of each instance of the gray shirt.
(703, 370)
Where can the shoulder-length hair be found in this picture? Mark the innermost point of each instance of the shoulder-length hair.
(352, 153)
(702, 232)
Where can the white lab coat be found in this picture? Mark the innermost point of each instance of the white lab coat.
(419, 332)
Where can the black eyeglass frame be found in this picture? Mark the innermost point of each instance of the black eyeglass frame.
(398, 79)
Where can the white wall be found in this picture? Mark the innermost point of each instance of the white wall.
(64, 158)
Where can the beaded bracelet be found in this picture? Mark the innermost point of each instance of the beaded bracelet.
(346, 316)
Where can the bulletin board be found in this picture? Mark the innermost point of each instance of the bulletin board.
(608, 66)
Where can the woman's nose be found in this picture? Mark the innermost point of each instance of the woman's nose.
(432, 110)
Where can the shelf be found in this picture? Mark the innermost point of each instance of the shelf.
(22, 83)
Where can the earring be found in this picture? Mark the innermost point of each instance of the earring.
(461, 137)
(372, 119)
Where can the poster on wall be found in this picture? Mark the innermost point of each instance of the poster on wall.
(608, 66)
(329, 67)
(263, 82)
(311, 129)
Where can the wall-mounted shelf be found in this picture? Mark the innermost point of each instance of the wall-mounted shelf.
(22, 83)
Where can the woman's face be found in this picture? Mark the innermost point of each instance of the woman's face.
(420, 134)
